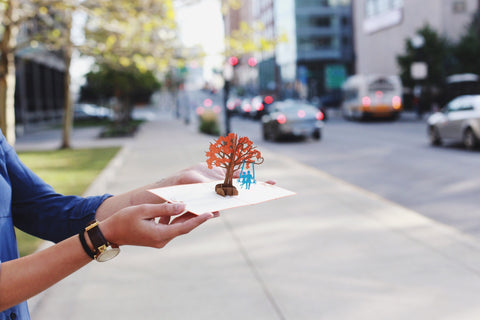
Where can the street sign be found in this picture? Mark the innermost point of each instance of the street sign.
(419, 70)
(335, 75)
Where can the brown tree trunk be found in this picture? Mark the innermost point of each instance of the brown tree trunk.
(7, 75)
(67, 105)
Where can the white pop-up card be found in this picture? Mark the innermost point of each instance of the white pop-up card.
(201, 197)
(232, 153)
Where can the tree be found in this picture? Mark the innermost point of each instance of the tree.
(435, 53)
(231, 152)
(140, 33)
(128, 85)
(467, 49)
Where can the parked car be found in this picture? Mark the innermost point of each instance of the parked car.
(84, 111)
(292, 118)
(459, 121)
(260, 104)
(234, 104)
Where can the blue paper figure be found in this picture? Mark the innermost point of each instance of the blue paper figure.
(246, 178)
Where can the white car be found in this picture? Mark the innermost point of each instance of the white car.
(459, 121)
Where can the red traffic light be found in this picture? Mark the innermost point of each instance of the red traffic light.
(268, 99)
(252, 62)
(233, 61)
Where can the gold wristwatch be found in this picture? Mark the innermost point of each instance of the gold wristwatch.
(103, 250)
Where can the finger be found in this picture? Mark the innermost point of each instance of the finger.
(188, 225)
(164, 220)
(184, 217)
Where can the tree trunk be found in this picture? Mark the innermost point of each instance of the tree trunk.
(7, 75)
(68, 105)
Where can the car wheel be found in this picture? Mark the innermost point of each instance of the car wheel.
(434, 136)
(470, 140)
(317, 135)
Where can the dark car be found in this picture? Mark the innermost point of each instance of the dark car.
(292, 118)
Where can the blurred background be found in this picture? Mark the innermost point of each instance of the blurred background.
(363, 77)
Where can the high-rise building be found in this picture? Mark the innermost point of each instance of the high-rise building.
(263, 12)
(318, 53)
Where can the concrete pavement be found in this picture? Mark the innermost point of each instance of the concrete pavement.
(333, 251)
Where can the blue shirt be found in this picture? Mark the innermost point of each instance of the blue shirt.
(33, 206)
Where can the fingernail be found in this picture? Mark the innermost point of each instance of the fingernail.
(208, 215)
(178, 207)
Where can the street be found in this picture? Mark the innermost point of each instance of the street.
(393, 160)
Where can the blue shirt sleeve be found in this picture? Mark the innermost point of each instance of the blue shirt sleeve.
(38, 210)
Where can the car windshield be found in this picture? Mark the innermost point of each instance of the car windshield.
(293, 107)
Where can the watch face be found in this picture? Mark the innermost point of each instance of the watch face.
(108, 254)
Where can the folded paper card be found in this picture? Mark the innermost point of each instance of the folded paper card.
(201, 197)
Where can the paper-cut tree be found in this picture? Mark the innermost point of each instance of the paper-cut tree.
(230, 152)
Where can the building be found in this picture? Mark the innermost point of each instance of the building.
(381, 28)
(318, 54)
(40, 74)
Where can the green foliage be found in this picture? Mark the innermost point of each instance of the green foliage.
(467, 50)
(442, 57)
(435, 52)
(127, 83)
(209, 123)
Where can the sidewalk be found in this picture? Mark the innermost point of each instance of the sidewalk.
(333, 251)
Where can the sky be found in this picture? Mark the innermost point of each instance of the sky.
(202, 24)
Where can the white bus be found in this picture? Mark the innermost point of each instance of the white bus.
(372, 96)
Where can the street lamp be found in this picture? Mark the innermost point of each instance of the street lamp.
(418, 71)
(227, 78)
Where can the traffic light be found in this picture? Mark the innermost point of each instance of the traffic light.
(252, 62)
(233, 61)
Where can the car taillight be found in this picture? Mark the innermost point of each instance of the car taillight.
(200, 110)
(281, 118)
(217, 109)
(207, 102)
(301, 113)
(268, 99)
(319, 115)
(397, 102)
(259, 107)
(366, 101)
(247, 108)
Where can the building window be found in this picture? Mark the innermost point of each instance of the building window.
(312, 44)
(323, 3)
(379, 7)
(320, 21)
(381, 14)
(459, 6)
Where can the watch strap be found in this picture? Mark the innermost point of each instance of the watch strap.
(96, 237)
(87, 250)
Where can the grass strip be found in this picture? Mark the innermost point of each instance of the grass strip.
(68, 171)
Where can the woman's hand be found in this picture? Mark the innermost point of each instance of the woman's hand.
(195, 174)
(150, 225)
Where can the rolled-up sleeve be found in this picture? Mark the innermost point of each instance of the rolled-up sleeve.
(38, 210)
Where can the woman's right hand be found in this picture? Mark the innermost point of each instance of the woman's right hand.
(150, 225)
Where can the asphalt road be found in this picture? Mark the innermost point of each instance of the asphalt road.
(393, 160)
